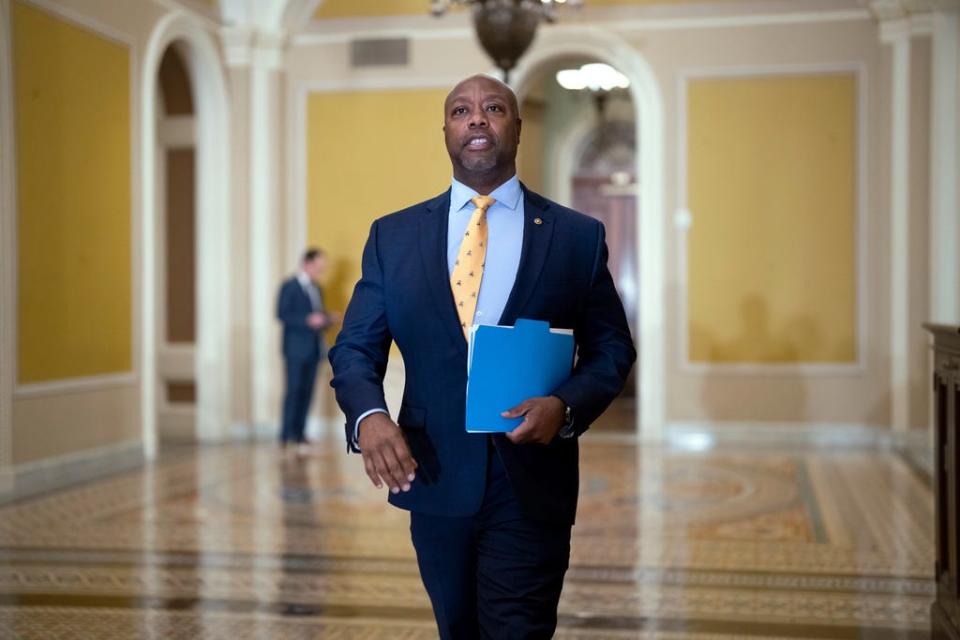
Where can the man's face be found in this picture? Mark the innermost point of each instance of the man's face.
(315, 268)
(481, 126)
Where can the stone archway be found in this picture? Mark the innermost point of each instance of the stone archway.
(212, 215)
(647, 100)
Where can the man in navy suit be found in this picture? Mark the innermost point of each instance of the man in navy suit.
(490, 514)
(301, 310)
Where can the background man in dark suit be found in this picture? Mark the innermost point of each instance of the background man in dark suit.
(301, 310)
(490, 515)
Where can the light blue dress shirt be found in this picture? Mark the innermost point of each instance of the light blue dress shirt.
(504, 245)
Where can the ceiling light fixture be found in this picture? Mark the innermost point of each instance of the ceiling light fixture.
(505, 28)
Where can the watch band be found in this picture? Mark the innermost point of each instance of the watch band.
(567, 431)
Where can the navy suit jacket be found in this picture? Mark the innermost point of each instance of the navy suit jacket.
(300, 342)
(404, 296)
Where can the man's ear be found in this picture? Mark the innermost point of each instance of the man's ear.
(519, 127)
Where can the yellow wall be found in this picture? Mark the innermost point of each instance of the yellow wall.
(530, 156)
(369, 153)
(73, 199)
(772, 189)
(372, 8)
(367, 8)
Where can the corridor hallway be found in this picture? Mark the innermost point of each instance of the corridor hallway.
(238, 542)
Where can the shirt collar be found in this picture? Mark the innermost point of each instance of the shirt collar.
(508, 194)
(303, 278)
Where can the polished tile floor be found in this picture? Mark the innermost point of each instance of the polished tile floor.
(240, 542)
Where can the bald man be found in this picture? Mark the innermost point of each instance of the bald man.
(490, 515)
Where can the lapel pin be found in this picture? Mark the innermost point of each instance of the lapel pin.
(537, 221)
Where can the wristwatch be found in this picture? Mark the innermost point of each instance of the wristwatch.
(566, 431)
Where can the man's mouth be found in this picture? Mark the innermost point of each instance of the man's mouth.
(478, 142)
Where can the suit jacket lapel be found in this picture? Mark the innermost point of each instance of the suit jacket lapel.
(433, 252)
(536, 245)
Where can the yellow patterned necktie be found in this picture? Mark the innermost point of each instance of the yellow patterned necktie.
(468, 270)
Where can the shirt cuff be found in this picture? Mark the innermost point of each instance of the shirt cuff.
(356, 426)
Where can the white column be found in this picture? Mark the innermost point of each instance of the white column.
(944, 151)
(897, 34)
(8, 247)
(263, 56)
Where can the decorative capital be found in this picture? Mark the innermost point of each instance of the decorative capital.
(884, 10)
(245, 47)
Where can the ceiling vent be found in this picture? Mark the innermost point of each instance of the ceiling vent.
(380, 52)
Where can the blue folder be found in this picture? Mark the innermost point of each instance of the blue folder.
(507, 365)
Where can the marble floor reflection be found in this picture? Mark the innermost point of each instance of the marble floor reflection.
(241, 542)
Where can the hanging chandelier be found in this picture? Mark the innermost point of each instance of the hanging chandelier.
(505, 28)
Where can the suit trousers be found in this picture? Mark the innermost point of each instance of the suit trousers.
(301, 376)
(497, 574)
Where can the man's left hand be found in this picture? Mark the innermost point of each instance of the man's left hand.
(542, 419)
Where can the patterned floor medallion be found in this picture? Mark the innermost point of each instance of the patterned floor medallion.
(242, 542)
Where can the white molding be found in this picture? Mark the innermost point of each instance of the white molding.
(572, 145)
(6, 481)
(237, 45)
(264, 236)
(746, 20)
(648, 103)
(944, 165)
(213, 220)
(83, 454)
(177, 132)
(177, 421)
(202, 16)
(298, 13)
(921, 24)
(704, 434)
(176, 362)
(426, 28)
(805, 369)
(8, 246)
(297, 175)
(348, 33)
(900, 234)
(76, 385)
(376, 83)
(70, 469)
(244, 46)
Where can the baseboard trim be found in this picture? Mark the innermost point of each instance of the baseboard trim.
(704, 435)
(50, 474)
(6, 481)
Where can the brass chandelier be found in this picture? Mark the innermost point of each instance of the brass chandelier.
(505, 28)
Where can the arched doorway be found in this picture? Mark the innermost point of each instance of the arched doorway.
(200, 58)
(586, 43)
(579, 148)
(176, 250)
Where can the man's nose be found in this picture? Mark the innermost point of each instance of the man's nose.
(478, 119)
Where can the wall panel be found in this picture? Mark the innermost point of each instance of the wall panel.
(369, 153)
(772, 185)
(72, 99)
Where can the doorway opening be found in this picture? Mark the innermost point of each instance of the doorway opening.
(176, 194)
(579, 148)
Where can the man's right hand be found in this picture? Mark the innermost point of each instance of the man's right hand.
(386, 455)
(315, 320)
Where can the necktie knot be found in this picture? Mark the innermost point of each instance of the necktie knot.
(483, 202)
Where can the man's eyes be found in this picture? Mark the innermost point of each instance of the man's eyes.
(459, 111)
